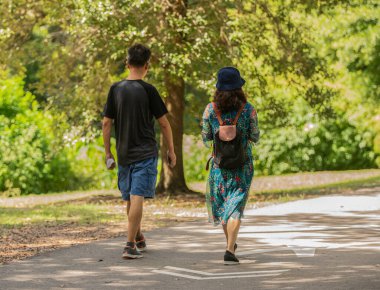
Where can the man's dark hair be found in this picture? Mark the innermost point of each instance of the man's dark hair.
(138, 55)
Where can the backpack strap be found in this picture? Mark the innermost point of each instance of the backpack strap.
(217, 114)
(238, 113)
(208, 162)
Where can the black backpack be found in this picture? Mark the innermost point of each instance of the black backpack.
(228, 151)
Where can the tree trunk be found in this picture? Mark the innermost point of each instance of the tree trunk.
(172, 180)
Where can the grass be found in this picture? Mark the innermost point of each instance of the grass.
(108, 208)
(96, 210)
(303, 192)
(60, 213)
(100, 191)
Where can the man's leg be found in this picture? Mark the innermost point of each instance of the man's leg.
(138, 235)
(233, 227)
(134, 217)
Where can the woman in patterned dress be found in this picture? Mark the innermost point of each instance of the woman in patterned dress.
(228, 189)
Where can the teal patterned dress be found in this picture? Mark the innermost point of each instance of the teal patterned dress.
(227, 190)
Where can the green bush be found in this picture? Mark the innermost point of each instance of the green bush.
(37, 155)
(88, 162)
(332, 144)
(195, 156)
(32, 159)
(328, 145)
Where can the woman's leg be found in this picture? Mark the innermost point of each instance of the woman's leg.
(233, 227)
(225, 233)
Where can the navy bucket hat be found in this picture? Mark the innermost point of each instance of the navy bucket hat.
(229, 79)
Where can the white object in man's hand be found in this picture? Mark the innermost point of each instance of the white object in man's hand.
(110, 163)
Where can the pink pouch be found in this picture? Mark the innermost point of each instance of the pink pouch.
(227, 132)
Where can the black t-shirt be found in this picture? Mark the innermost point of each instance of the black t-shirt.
(133, 104)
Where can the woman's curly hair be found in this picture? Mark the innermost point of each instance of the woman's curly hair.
(228, 101)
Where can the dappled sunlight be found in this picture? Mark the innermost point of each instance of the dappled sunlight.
(193, 259)
(304, 244)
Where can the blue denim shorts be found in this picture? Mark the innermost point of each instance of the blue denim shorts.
(138, 178)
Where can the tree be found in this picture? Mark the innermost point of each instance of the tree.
(351, 46)
(74, 49)
(186, 40)
(190, 39)
(287, 48)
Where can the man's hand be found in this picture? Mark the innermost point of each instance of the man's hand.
(167, 132)
(109, 155)
(172, 158)
(110, 165)
(107, 124)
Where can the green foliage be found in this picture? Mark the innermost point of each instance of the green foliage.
(313, 145)
(87, 160)
(196, 156)
(328, 145)
(36, 152)
(350, 45)
(275, 50)
(305, 62)
(29, 143)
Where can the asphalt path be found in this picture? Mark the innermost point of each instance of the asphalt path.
(330, 242)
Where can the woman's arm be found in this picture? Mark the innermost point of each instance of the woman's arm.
(254, 133)
(206, 127)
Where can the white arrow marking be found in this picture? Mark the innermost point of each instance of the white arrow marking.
(303, 252)
(211, 276)
(217, 274)
(299, 251)
(251, 252)
(178, 275)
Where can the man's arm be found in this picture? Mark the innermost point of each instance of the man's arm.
(167, 132)
(107, 126)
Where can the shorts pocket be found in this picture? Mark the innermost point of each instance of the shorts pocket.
(152, 178)
(122, 179)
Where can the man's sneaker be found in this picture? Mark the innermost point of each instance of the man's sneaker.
(131, 252)
(141, 245)
(230, 259)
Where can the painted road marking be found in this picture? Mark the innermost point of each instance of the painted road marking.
(201, 275)
(216, 274)
(255, 251)
(301, 238)
(300, 252)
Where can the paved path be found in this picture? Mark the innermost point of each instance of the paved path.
(330, 242)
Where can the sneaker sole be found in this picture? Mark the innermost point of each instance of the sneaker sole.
(231, 263)
(142, 249)
(129, 256)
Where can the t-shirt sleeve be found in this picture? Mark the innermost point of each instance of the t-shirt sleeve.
(109, 107)
(156, 104)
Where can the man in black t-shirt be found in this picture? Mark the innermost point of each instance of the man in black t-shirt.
(132, 105)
